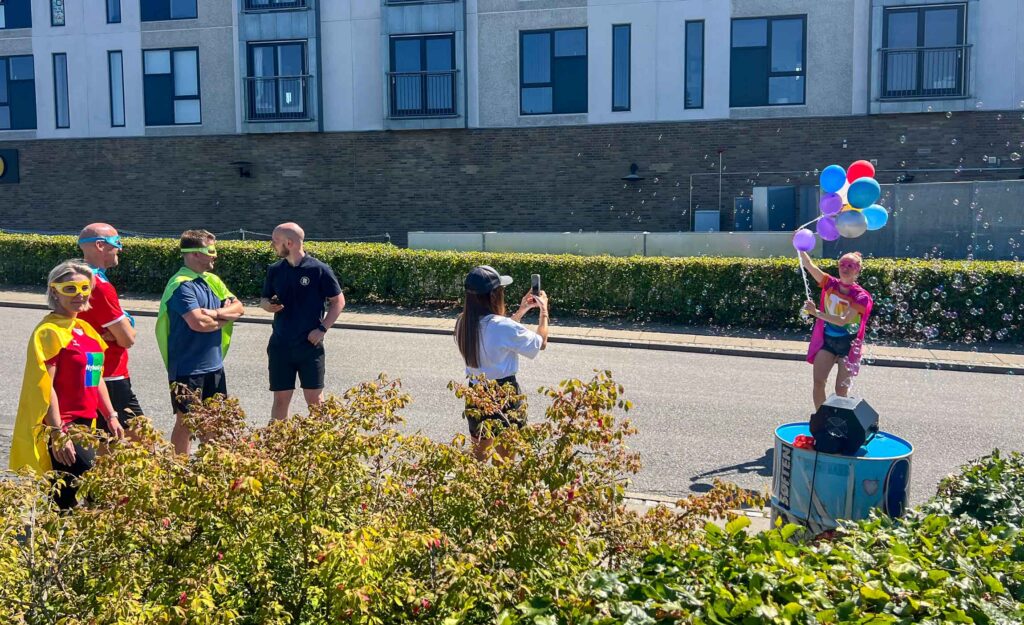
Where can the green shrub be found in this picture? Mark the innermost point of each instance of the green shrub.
(958, 559)
(914, 299)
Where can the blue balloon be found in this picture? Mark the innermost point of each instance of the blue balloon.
(876, 215)
(832, 178)
(863, 192)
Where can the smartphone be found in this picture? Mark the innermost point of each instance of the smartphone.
(535, 284)
(274, 299)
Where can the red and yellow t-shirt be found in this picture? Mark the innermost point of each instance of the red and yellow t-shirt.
(78, 375)
(838, 303)
(104, 311)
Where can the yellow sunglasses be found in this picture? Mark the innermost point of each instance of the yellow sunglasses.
(73, 288)
(209, 250)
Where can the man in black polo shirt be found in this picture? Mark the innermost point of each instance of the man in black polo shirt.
(297, 290)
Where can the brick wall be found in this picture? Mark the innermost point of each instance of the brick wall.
(565, 178)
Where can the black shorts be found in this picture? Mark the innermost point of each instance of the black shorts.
(838, 345)
(125, 403)
(502, 421)
(284, 361)
(208, 385)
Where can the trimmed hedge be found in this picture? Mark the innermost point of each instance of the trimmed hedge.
(962, 301)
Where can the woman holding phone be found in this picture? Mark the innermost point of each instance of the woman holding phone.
(491, 342)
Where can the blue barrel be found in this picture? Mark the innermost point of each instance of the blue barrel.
(818, 489)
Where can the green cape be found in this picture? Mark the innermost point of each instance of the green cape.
(163, 321)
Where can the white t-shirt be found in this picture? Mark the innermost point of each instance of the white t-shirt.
(502, 341)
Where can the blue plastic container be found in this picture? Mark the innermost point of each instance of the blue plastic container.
(818, 489)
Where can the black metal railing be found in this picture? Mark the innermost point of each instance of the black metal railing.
(422, 94)
(922, 73)
(277, 98)
(394, 2)
(274, 5)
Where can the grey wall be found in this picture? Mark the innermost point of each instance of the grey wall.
(983, 220)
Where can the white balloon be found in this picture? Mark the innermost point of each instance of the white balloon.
(851, 224)
(843, 192)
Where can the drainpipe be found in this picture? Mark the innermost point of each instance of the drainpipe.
(465, 64)
(319, 68)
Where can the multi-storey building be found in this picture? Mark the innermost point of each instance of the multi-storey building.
(720, 70)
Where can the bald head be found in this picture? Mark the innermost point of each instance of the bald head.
(98, 229)
(98, 253)
(291, 231)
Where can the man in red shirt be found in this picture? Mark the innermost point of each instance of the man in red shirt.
(101, 245)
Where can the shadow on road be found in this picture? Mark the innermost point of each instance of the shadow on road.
(702, 482)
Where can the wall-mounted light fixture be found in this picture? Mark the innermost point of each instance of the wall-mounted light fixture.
(244, 168)
(633, 176)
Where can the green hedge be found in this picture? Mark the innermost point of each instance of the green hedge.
(961, 301)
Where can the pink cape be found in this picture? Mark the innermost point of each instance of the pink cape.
(862, 298)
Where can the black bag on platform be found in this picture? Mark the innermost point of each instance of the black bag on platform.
(842, 425)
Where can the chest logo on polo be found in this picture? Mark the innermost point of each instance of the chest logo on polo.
(304, 280)
(93, 368)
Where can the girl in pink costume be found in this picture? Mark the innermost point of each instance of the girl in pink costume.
(842, 317)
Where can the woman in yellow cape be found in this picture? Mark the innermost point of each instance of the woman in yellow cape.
(76, 394)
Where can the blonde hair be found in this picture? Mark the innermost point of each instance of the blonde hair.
(61, 273)
(855, 256)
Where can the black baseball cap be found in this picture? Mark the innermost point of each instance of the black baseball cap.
(483, 279)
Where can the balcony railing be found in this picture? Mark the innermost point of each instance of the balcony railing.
(399, 2)
(277, 98)
(422, 94)
(275, 5)
(925, 73)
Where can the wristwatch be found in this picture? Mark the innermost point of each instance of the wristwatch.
(322, 328)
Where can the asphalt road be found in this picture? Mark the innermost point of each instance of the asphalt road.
(699, 416)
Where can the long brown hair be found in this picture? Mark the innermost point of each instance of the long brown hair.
(467, 326)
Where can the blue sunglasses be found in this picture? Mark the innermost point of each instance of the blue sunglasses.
(112, 240)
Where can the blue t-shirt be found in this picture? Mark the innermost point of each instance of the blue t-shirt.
(190, 352)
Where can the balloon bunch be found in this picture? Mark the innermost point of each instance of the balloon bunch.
(848, 205)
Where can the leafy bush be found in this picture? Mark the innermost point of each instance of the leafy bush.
(958, 559)
(334, 517)
(340, 517)
(914, 299)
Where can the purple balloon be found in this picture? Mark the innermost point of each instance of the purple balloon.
(804, 240)
(830, 204)
(827, 229)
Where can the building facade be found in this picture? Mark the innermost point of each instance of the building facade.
(511, 110)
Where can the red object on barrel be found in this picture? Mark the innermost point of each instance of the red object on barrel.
(804, 442)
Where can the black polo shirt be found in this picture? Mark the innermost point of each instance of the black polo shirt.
(302, 290)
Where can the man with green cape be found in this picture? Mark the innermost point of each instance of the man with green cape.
(193, 330)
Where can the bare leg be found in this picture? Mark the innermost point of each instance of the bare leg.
(313, 396)
(823, 362)
(181, 438)
(482, 448)
(282, 401)
(843, 380)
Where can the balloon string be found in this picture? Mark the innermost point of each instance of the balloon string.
(803, 272)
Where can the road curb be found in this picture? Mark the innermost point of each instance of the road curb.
(962, 367)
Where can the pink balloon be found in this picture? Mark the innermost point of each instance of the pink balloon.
(860, 169)
(827, 229)
(830, 204)
(804, 240)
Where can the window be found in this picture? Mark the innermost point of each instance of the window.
(272, 5)
(60, 91)
(115, 65)
(924, 53)
(693, 66)
(277, 81)
(15, 14)
(113, 11)
(156, 10)
(17, 93)
(422, 76)
(620, 67)
(768, 65)
(56, 12)
(171, 86)
(553, 71)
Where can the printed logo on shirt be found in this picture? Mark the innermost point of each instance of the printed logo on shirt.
(78, 331)
(93, 369)
(304, 280)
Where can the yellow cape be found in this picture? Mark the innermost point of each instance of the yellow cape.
(28, 445)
